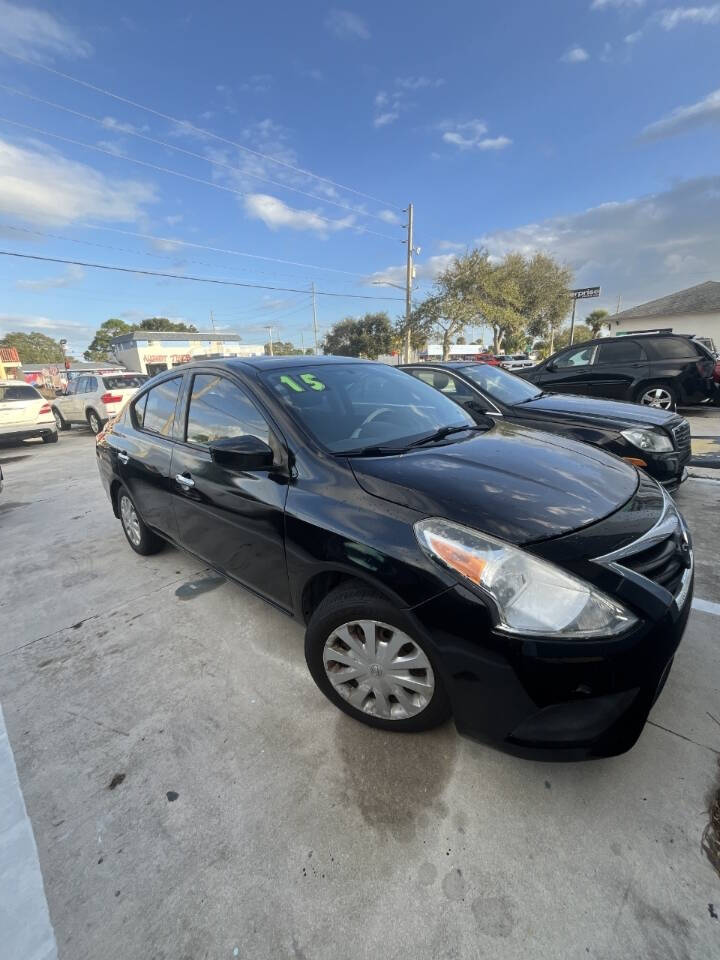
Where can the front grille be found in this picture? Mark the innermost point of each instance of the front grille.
(681, 435)
(664, 563)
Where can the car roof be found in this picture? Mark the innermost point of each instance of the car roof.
(16, 383)
(270, 363)
(453, 364)
(632, 336)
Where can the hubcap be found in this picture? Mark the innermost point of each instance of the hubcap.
(657, 398)
(378, 669)
(94, 423)
(58, 419)
(130, 521)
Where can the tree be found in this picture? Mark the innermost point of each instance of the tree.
(596, 321)
(162, 323)
(367, 336)
(545, 289)
(100, 346)
(282, 348)
(34, 347)
(580, 334)
(461, 341)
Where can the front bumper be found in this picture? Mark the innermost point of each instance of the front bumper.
(549, 699)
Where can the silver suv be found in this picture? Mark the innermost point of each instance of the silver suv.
(94, 399)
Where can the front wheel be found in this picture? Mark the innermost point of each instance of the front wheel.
(94, 422)
(140, 537)
(61, 423)
(368, 659)
(657, 395)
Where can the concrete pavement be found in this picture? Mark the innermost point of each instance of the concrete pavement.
(194, 796)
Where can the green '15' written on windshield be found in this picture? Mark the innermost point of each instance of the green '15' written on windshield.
(309, 381)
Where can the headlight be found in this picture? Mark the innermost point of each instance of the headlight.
(532, 597)
(651, 440)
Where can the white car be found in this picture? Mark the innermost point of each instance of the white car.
(515, 361)
(93, 399)
(25, 413)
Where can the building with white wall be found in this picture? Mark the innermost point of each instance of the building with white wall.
(151, 352)
(692, 311)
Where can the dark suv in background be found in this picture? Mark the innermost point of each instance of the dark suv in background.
(659, 370)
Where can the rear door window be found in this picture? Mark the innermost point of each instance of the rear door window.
(91, 385)
(155, 411)
(219, 409)
(620, 351)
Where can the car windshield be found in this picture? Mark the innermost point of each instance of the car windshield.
(126, 381)
(13, 391)
(350, 406)
(500, 385)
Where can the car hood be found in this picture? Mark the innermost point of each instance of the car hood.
(516, 484)
(572, 406)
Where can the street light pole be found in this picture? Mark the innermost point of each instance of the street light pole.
(315, 330)
(269, 330)
(408, 281)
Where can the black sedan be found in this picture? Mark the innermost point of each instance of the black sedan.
(533, 587)
(654, 439)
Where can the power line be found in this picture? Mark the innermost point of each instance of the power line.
(191, 126)
(189, 153)
(180, 276)
(185, 176)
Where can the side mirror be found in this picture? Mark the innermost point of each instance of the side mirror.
(476, 406)
(60, 392)
(242, 453)
(550, 367)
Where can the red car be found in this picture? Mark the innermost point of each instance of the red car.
(488, 358)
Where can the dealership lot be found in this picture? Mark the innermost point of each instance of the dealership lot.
(193, 795)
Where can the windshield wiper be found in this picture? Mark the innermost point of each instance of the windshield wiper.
(445, 432)
(373, 451)
(530, 399)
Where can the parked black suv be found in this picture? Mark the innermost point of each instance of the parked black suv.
(534, 587)
(658, 370)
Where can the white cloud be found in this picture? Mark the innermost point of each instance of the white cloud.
(632, 38)
(471, 136)
(575, 55)
(344, 23)
(419, 83)
(122, 126)
(173, 219)
(72, 275)
(389, 216)
(257, 83)
(115, 147)
(277, 215)
(451, 245)
(37, 34)
(10, 321)
(628, 247)
(425, 270)
(682, 119)
(671, 18)
(385, 118)
(604, 4)
(42, 186)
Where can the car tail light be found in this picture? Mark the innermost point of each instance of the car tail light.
(45, 408)
(111, 398)
(716, 372)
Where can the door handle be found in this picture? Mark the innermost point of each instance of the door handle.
(184, 481)
(123, 457)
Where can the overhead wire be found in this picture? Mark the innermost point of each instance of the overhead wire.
(188, 277)
(190, 153)
(190, 126)
(186, 176)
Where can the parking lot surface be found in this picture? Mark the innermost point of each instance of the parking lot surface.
(193, 795)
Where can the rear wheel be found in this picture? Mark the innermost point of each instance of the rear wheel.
(61, 423)
(50, 437)
(140, 537)
(94, 421)
(657, 395)
(368, 659)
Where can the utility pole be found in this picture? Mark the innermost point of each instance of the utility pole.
(269, 330)
(617, 308)
(315, 330)
(212, 320)
(408, 281)
(572, 323)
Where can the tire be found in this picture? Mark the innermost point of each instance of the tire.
(62, 424)
(95, 421)
(140, 537)
(382, 698)
(50, 437)
(663, 395)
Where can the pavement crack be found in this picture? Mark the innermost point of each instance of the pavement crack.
(110, 610)
(98, 723)
(682, 736)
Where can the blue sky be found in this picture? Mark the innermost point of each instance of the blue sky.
(585, 128)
